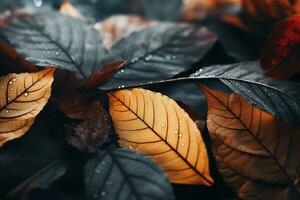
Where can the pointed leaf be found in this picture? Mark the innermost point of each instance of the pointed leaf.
(23, 96)
(158, 52)
(50, 38)
(123, 174)
(280, 98)
(257, 154)
(155, 125)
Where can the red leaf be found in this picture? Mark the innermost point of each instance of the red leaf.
(280, 53)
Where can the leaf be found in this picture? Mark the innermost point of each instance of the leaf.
(123, 174)
(256, 153)
(279, 55)
(118, 26)
(23, 96)
(68, 9)
(22, 158)
(156, 126)
(271, 9)
(197, 10)
(50, 38)
(41, 179)
(91, 132)
(280, 98)
(158, 52)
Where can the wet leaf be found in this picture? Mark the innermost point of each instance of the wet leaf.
(280, 98)
(155, 125)
(23, 96)
(50, 38)
(118, 26)
(256, 153)
(158, 52)
(120, 173)
(279, 55)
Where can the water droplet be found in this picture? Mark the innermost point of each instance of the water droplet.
(38, 3)
(174, 57)
(10, 82)
(134, 60)
(11, 89)
(7, 111)
(2, 87)
(122, 86)
(26, 94)
(182, 144)
(14, 79)
(103, 193)
(8, 98)
(163, 125)
(103, 163)
(149, 57)
(168, 57)
(97, 171)
(180, 135)
(122, 70)
(57, 53)
(176, 132)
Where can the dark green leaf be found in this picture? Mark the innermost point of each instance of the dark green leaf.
(51, 38)
(280, 98)
(158, 52)
(123, 174)
(41, 179)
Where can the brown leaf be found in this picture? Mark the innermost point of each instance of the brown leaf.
(271, 9)
(119, 26)
(279, 55)
(67, 8)
(104, 75)
(23, 96)
(90, 133)
(13, 62)
(155, 125)
(195, 10)
(256, 153)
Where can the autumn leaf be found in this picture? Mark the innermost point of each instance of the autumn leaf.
(67, 8)
(256, 153)
(119, 26)
(271, 9)
(23, 96)
(200, 9)
(279, 55)
(155, 125)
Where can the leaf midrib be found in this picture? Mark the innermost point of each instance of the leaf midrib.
(162, 139)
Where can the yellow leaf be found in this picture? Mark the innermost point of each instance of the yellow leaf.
(22, 97)
(257, 154)
(156, 126)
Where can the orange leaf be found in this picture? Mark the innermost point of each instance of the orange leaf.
(256, 153)
(67, 8)
(22, 97)
(155, 125)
